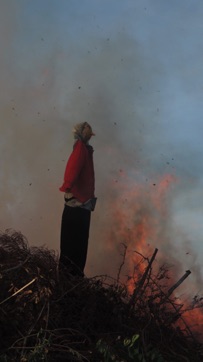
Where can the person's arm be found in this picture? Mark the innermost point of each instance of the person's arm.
(73, 167)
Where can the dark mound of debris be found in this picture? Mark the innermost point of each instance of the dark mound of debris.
(50, 315)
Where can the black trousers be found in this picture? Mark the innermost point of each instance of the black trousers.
(74, 239)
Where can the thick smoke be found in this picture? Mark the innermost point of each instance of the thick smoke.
(110, 83)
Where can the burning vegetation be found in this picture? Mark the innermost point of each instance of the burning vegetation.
(49, 315)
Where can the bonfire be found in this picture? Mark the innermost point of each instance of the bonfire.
(48, 315)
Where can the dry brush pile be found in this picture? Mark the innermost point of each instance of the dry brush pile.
(47, 315)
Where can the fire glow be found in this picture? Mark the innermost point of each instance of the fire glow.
(142, 223)
(141, 214)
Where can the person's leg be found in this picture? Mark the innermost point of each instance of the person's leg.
(82, 238)
(65, 237)
(74, 238)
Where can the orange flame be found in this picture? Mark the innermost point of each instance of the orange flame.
(140, 214)
(140, 219)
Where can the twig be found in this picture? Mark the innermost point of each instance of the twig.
(17, 266)
(18, 291)
(32, 327)
(47, 316)
(175, 308)
(141, 283)
(123, 262)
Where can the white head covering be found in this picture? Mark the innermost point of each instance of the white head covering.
(83, 131)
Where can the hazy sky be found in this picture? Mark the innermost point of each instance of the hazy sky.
(134, 70)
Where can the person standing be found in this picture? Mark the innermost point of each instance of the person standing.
(78, 187)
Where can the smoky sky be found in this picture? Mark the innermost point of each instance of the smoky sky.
(129, 72)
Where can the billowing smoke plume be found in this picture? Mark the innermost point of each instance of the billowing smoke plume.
(50, 81)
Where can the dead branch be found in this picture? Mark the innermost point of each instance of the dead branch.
(17, 266)
(66, 315)
(122, 263)
(176, 285)
(141, 283)
(180, 281)
(18, 291)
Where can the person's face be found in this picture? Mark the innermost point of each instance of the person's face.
(87, 132)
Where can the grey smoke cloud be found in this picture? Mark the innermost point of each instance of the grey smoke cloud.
(50, 82)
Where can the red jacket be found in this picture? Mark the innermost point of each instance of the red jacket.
(79, 172)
